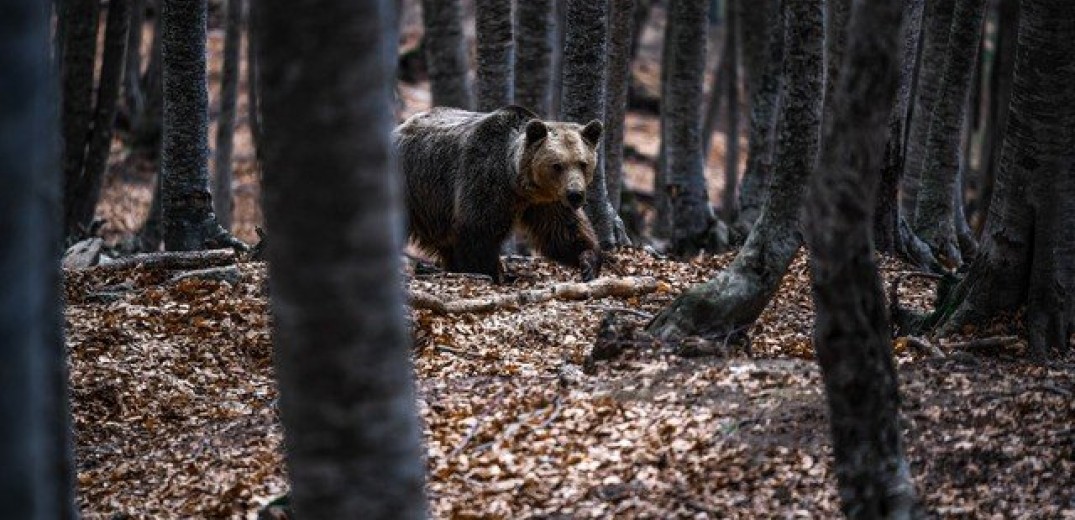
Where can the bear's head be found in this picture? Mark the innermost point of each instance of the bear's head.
(558, 161)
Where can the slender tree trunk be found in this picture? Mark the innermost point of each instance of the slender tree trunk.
(1000, 93)
(729, 207)
(134, 98)
(692, 216)
(619, 75)
(937, 26)
(735, 298)
(533, 55)
(716, 93)
(852, 333)
(662, 205)
(36, 475)
(147, 124)
(225, 129)
(764, 111)
(1028, 247)
(641, 18)
(935, 215)
(887, 214)
(79, 50)
(189, 222)
(446, 55)
(253, 83)
(583, 98)
(559, 34)
(87, 188)
(346, 391)
(837, 17)
(496, 54)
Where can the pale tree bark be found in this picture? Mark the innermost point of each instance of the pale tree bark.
(1000, 93)
(620, 35)
(765, 93)
(936, 27)
(692, 216)
(442, 21)
(935, 213)
(36, 475)
(583, 99)
(735, 297)
(347, 402)
(225, 129)
(533, 55)
(496, 54)
(1027, 255)
(729, 201)
(852, 335)
(188, 220)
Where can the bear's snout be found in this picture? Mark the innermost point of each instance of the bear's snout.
(575, 198)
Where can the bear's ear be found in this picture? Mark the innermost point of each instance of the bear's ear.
(592, 132)
(536, 131)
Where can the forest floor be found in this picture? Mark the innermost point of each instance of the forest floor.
(174, 395)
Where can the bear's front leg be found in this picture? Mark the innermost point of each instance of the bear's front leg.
(564, 235)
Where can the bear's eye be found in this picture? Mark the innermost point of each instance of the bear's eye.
(558, 167)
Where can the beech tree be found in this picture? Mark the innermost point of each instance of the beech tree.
(496, 54)
(1000, 90)
(737, 295)
(533, 55)
(620, 36)
(442, 21)
(225, 129)
(1027, 256)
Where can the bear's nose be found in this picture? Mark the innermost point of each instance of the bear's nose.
(576, 198)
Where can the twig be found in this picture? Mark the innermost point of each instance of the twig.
(634, 312)
(921, 345)
(460, 353)
(477, 425)
(600, 288)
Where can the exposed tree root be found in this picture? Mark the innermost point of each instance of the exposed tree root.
(600, 288)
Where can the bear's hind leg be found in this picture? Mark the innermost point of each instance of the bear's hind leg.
(564, 235)
(478, 254)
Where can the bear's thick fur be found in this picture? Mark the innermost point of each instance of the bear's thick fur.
(470, 177)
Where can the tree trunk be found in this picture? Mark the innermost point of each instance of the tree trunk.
(583, 99)
(496, 54)
(446, 56)
(691, 215)
(1027, 254)
(934, 219)
(253, 83)
(147, 124)
(716, 92)
(559, 16)
(79, 51)
(887, 214)
(734, 299)
(1000, 93)
(87, 188)
(36, 476)
(852, 336)
(134, 98)
(937, 25)
(764, 111)
(662, 204)
(641, 18)
(619, 75)
(343, 361)
(225, 129)
(837, 17)
(729, 207)
(189, 222)
(533, 55)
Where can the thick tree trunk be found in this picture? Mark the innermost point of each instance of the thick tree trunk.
(729, 206)
(852, 333)
(887, 213)
(225, 128)
(496, 54)
(692, 216)
(346, 391)
(87, 188)
(533, 55)
(764, 112)
(1028, 247)
(735, 298)
(446, 56)
(619, 75)
(934, 219)
(1000, 93)
(78, 54)
(937, 26)
(583, 98)
(36, 475)
(189, 222)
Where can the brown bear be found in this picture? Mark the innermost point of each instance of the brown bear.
(469, 178)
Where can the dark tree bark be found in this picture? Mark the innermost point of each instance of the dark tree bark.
(346, 391)
(36, 475)
(734, 299)
(729, 207)
(87, 189)
(442, 21)
(225, 129)
(719, 79)
(533, 55)
(134, 98)
(189, 222)
(837, 17)
(937, 29)
(1028, 247)
(583, 99)
(496, 54)
(765, 104)
(620, 24)
(692, 216)
(559, 16)
(147, 125)
(1000, 93)
(935, 213)
(887, 214)
(78, 53)
(253, 83)
(852, 335)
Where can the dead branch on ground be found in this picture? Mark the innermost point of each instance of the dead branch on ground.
(600, 288)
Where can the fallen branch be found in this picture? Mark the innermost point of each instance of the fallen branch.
(600, 288)
(171, 260)
(994, 342)
(921, 345)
